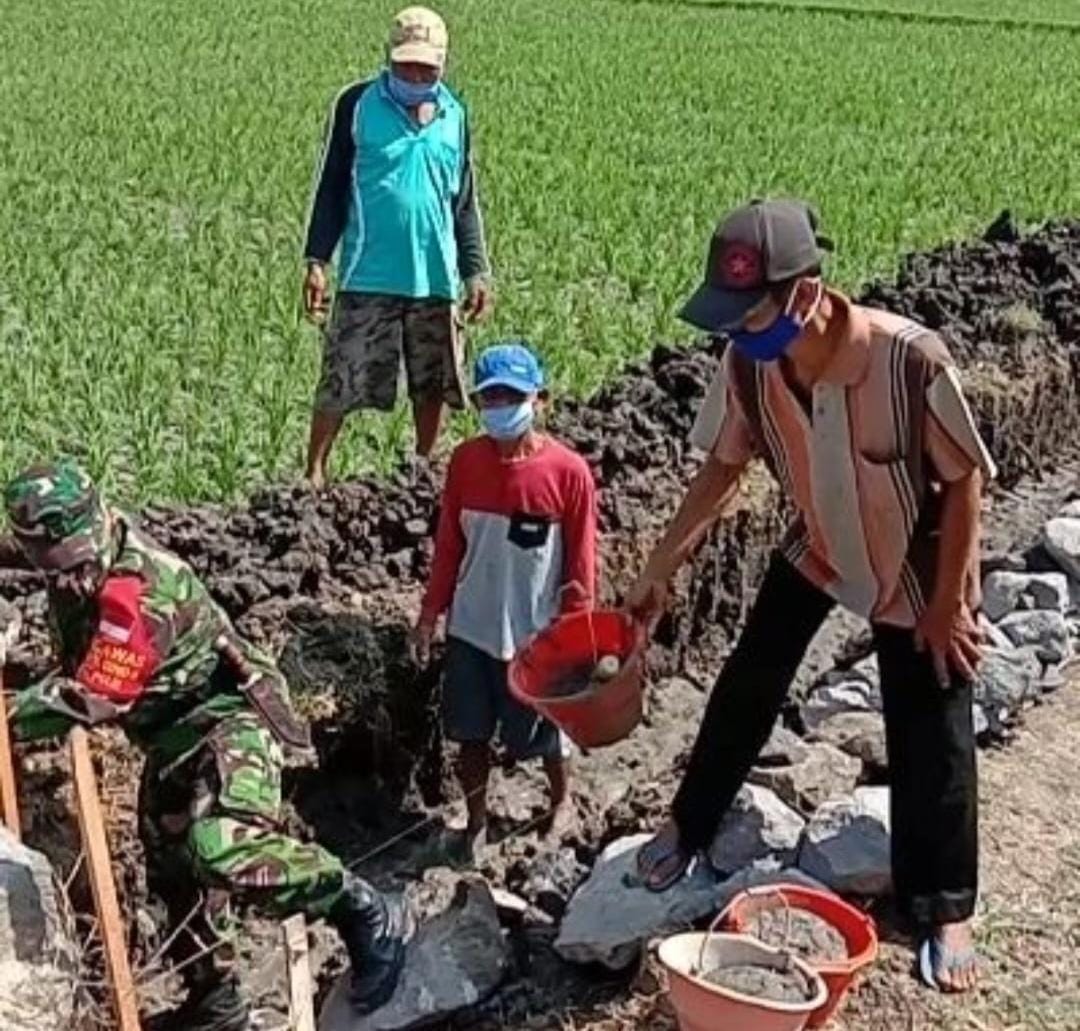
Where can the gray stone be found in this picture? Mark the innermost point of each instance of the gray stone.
(10, 625)
(1061, 538)
(846, 844)
(1041, 629)
(824, 773)
(509, 906)
(851, 695)
(1053, 678)
(757, 825)
(783, 748)
(1004, 592)
(38, 966)
(613, 914)
(869, 671)
(993, 635)
(1071, 510)
(858, 734)
(455, 961)
(1002, 561)
(1006, 680)
(978, 719)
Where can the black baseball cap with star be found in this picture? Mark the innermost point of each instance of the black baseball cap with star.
(765, 242)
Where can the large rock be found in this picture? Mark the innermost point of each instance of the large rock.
(1005, 592)
(824, 773)
(37, 958)
(456, 960)
(612, 914)
(1061, 539)
(858, 734)
(849, 693)
(757, 825)
(1006, 680)
(1041, 629)
(783, 748)
(846, 844)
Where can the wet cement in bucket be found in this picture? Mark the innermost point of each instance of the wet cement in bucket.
(808, 935)
(763, 982)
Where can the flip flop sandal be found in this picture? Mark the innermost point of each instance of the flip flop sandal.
(934, 956)
(656, 853)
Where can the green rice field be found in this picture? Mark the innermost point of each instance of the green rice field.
(157, 160)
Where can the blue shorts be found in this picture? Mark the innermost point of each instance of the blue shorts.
(476, 701)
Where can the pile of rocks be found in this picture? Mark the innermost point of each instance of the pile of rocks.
(814, 809)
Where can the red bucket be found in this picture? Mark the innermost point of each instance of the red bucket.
(600, 713)
(856, 928)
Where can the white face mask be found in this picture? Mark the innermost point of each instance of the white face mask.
(508, 422)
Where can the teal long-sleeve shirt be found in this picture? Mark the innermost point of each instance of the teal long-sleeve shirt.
(399, 198)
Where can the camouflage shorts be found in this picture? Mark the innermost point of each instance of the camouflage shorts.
(367, 340)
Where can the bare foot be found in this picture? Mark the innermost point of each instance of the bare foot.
(316, 480)
(956, 966)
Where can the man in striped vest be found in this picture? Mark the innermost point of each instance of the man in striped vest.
(860, 417)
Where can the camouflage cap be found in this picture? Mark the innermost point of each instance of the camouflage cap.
(57, 515)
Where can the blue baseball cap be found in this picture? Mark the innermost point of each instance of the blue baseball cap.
(511, 364)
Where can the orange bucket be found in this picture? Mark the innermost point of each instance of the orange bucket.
(857, 929)
(701, 1005)
(596, 713)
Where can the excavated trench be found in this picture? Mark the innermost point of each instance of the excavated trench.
(330, 582)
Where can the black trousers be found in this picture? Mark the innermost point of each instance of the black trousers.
(929, 736)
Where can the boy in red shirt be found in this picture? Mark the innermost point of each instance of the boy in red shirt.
(516, 546)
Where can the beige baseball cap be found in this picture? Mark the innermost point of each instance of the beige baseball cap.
(418, 35)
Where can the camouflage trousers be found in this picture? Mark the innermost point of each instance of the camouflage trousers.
(372, 336)
(212, 836)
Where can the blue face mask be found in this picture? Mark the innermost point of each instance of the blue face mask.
(767, 345)
(508, 422)
(411, 94)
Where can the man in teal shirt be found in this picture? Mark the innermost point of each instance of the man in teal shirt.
(396, 196)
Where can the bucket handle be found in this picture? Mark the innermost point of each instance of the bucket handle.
(722, 915)
(579, 587)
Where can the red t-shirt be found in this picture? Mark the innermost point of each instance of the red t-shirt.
(516, 543)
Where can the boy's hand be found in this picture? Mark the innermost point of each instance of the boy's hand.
(420, 638)
(953, 638)
(315, 293)
(479, 298)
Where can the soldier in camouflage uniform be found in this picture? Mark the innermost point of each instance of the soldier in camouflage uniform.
(142, 644)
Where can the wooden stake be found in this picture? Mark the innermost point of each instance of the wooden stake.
(96, 847)
(301, 1004)
(8, 794)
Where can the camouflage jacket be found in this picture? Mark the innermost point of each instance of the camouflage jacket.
(147, 653)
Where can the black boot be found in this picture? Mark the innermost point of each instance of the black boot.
(373, 929)
(213, 1007)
